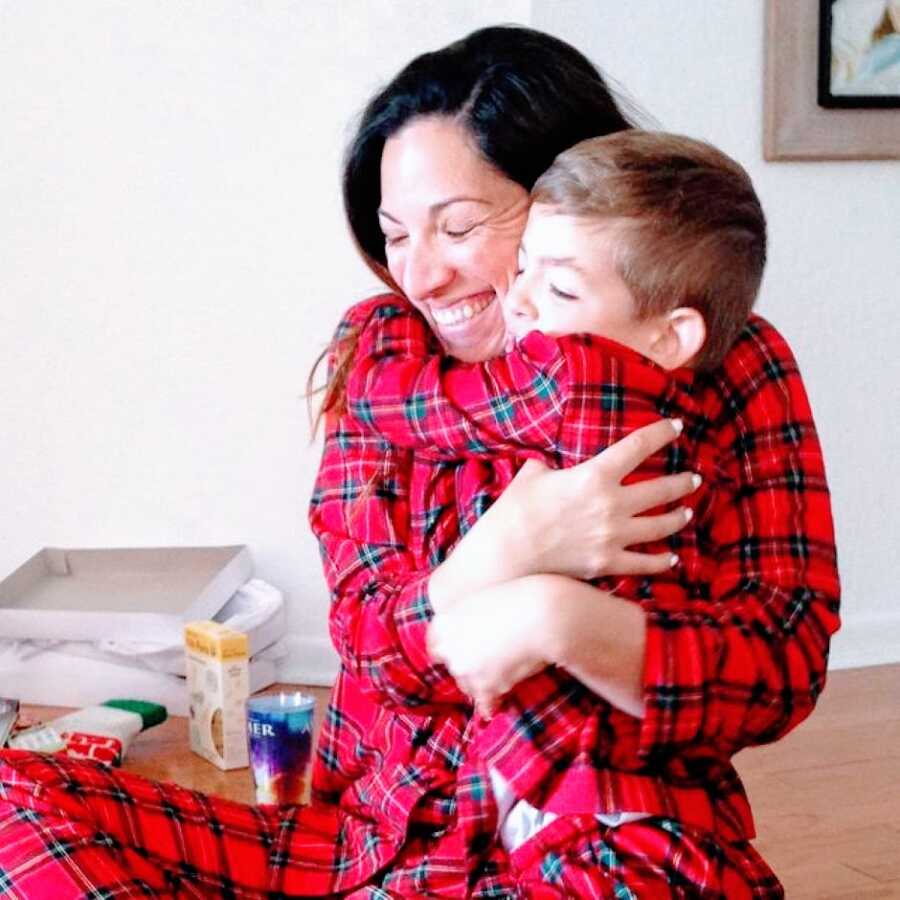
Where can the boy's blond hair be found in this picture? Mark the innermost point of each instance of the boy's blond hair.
(692, 229)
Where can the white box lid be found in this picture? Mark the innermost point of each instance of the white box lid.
(126, 594)
(59, 679)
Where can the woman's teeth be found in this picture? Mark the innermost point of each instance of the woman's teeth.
(457, 314)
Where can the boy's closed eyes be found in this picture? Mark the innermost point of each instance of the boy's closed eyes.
(568, 283)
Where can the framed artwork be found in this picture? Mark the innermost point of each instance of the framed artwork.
(859, 54)
(831, 51)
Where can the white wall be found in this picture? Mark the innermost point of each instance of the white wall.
(833, 276)
(173, 258)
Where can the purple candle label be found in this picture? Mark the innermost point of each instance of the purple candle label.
(279, 736)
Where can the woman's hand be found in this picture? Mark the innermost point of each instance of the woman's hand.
(578, 522)
(494, 639)
(582, 520)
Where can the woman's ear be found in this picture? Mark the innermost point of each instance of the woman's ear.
(680, 336)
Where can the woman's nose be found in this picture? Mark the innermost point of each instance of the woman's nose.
(426, 272)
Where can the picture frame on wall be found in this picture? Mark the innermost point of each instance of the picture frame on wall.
(859, 54)
(796, 125)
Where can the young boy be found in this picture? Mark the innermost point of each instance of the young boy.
(639, 265)
(651, 241)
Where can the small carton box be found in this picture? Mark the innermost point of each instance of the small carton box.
(218, 687)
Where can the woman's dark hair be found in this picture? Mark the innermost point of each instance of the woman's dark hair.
(523, 95)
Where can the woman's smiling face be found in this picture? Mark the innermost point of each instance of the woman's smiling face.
(452, 225)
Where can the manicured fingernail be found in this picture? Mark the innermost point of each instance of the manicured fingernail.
(674, 560)
(688, 513)
(696, 480)
(678, 425)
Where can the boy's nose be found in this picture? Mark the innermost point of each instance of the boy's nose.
(518, 302)
(426, 272)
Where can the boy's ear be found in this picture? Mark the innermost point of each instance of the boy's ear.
(679, 338)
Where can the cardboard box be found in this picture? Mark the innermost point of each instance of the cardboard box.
(256, 609)
(218, 687)
(119, 594)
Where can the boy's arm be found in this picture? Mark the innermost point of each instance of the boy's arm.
(403, 388)
(565, 398)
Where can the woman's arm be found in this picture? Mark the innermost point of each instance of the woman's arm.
(380, 607)
(381, 597)
(746, 665)
(511, 630)
(581, 522)
(578, 521)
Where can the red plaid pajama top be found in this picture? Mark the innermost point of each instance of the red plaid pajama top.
(399, 809)
(737, 640)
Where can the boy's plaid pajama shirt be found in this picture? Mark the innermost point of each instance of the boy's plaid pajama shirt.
(401, 803)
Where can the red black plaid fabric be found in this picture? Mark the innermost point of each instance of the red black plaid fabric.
(396, 796)
(724, 624)
(575, 856)
(72, 830)
(738, 636)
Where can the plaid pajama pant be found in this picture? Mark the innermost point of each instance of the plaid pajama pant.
(71, 829)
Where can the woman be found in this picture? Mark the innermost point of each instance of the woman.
(492, 111)
(417, 150)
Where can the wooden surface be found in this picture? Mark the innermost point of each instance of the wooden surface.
(826, 798)
(163, 754)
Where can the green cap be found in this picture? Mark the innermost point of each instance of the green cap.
(151, 713)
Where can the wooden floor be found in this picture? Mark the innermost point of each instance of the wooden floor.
(826, 798)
